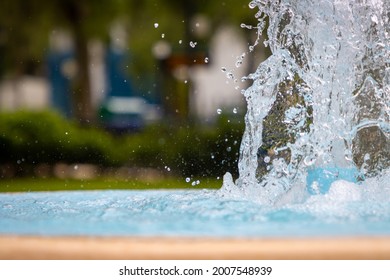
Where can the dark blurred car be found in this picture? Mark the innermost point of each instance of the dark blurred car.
(127, 114)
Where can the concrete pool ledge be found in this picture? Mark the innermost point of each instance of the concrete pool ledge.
(156, 248)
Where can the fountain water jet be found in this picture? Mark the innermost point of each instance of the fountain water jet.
(318, 109)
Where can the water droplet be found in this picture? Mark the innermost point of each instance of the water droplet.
(185, 81)
(243, 25)
(229, 149)
(193, 44)
(197, 182)
(163, 35)
(252, 4)
(156, 25)
(230, 75)
(267, 159)
(219, 111)
(234, 110)
(223, 69)
(193, 183)
(76, 167)
(188, 179)
(206, 60)
(180, 41)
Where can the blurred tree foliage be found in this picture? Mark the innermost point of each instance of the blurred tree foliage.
(30, 139)
(25, 27)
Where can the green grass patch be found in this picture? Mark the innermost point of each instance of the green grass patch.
(54, 184)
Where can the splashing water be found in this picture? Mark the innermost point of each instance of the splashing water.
(318, 108)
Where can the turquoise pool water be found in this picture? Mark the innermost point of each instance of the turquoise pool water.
(189, 213)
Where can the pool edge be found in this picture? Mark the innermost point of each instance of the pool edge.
(169, 248)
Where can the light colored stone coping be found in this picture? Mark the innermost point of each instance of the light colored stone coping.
(31, 247)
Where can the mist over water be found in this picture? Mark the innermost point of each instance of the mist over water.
(318, 109)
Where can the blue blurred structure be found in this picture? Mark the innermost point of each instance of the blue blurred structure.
(60, 82)
(123, 109)
(118, 80)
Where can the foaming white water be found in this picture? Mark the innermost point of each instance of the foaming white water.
(330, 64)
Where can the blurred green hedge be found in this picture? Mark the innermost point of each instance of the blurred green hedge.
(31, 138)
